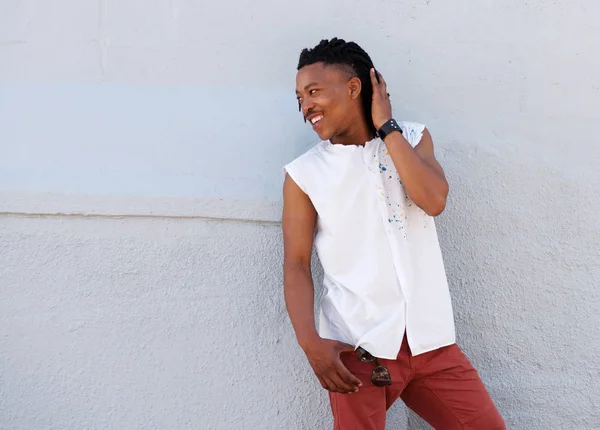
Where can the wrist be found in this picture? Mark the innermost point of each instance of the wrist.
(389, 127)
(379, 124)
(308, 340)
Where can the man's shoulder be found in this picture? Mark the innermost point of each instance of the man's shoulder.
(411, 125)
(298, 168)
(412, 131)
(309, 154)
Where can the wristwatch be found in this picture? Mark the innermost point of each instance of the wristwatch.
(387, 128)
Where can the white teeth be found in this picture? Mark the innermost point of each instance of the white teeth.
(315, 119)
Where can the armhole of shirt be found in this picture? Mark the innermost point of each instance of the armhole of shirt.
(291, 170)
(413, 132)
(297, 168)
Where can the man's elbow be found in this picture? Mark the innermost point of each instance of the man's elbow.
(436, 204)
(294, 265)
(436, 210)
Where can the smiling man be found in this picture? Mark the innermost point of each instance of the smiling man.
(365, 197)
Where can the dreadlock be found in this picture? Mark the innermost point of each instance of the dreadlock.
(353, 58)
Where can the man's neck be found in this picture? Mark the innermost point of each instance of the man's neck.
(357, 135)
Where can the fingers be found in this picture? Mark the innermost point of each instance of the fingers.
(342, 370)
(331, 371)
(341, 381)
(343, 385)
(348, 377)
(328, 384)
(374, 78)
(339, 385)
(321, 381)
(381, 85)
(381, 80)
(331, 385)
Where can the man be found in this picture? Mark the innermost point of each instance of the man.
(365, 196)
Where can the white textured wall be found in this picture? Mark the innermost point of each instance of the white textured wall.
(140, 153)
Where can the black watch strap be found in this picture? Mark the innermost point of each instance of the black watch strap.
(387, 128)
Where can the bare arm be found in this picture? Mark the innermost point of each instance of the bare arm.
(298, 222)
(421, 174)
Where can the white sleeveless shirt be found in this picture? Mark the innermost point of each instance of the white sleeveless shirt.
(383, 265)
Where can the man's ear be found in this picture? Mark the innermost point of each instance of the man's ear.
(354, 87)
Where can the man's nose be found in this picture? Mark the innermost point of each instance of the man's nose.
(307, 107)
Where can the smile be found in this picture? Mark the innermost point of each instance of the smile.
(316, 119)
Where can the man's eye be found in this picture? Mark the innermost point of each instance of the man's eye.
(311, 92)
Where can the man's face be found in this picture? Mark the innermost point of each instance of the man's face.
(328, 97)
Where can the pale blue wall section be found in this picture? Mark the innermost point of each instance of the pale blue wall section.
(112, 139)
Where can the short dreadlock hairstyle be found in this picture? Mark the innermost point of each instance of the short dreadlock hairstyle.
(347, 54)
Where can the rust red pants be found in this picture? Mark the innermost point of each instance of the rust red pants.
(441, 386)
